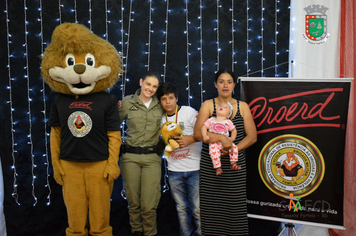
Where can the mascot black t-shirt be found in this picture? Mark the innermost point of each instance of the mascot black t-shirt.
(84, 124)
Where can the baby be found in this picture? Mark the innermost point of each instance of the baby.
(221, 124)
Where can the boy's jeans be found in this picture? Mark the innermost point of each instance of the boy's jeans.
(185, 192)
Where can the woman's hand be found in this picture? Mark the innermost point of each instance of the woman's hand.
(226, 144)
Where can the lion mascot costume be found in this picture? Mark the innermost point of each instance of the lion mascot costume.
(168, 131)
(85, 131)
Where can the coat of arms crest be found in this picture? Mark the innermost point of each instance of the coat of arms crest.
(316, 22)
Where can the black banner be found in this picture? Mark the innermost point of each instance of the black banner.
(295, 169)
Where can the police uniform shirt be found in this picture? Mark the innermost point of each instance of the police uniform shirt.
(84, 124)
(143, 123)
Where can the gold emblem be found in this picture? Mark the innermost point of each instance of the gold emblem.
(133, 108)
(291, 164)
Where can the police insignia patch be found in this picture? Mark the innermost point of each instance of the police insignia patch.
(133, 108)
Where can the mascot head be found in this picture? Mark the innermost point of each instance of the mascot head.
(79, 62)
(169, 130)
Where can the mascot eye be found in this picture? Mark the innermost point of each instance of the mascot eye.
(70, 59)
(90, 60)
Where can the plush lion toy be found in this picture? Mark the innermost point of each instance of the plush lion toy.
(85, 130)
(168, 131)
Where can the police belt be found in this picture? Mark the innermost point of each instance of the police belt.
(140, 150)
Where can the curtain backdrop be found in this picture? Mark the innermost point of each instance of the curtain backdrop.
(333, 58)
(347, 69)
(319, 60)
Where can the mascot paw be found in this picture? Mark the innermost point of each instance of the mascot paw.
(169, 148)
(58, 179)
(174, 144)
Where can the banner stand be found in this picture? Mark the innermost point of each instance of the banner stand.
(295, 170)
(291, 230)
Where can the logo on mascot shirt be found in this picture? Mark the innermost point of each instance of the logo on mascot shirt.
(291, 164)
(79, 124)
(84, 105)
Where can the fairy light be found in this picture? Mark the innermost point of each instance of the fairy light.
(149, 36)
(75, 12)
(276, 53)
(127, 46)
(122, 26)
(90, 10)
(125, 58)
(217, 36)
(45, 155)
(27, 76)
(60, 12)
(232, 36)
(187, 37)
(106, 21)
(13, 144)
(123, 83)
(247, 37)
(122, 87)
(125, 80)
(200, 17)
(165, 42)
(262, 20)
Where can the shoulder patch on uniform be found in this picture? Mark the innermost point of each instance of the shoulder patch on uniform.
(133, 108)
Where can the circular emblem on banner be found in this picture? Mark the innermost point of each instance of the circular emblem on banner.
(291, 164)
(79, 124)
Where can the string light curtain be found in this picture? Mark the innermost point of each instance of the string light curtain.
(184, 41)
(44, 111)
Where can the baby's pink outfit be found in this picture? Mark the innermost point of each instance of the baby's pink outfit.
(220, 127)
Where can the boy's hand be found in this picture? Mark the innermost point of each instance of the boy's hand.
(206, 138)
(184, 140)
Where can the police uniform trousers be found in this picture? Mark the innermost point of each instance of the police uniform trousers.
(142, 182)
(87, 192)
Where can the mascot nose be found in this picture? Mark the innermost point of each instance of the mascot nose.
(80, 68)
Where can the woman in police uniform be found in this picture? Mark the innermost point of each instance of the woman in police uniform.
(140, 164)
